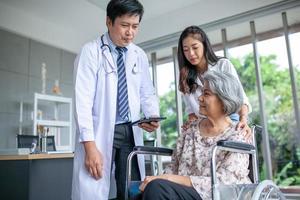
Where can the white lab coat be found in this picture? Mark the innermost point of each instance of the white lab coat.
(95, 79)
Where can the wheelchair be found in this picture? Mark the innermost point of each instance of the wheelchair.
(255, 191)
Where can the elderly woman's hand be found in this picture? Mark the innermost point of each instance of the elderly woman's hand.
(148, 179)
(183, 180)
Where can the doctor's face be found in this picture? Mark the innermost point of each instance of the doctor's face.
(123, 30)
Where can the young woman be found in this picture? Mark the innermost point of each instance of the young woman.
(195, 56)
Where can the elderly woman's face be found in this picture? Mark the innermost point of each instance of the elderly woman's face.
(210, 103)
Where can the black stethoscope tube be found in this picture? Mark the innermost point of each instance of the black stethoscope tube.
(104, 45)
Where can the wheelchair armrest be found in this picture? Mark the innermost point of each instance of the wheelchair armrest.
(235, 145)
(154, 150)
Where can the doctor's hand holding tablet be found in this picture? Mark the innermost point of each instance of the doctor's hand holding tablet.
(148, 124)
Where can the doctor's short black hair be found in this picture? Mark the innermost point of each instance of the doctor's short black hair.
(118, 8)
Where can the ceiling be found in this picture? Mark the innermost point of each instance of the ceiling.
(68, 24)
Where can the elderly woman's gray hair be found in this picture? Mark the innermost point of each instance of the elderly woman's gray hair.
(227, 88)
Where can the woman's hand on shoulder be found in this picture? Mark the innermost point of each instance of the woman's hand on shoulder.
(192, 117)
(245, 130)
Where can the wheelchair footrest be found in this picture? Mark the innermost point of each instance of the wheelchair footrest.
(238, 191)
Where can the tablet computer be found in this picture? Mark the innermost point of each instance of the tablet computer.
(147, 120)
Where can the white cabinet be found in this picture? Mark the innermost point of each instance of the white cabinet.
(48, 111)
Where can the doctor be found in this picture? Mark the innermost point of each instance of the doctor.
(112, 85)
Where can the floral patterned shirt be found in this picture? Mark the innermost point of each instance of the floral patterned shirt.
(192, 157)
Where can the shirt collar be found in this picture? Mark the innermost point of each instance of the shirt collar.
(111, 45)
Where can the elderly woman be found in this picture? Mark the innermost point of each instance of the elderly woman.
(188, 176)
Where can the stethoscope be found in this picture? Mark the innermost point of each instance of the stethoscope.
(103, 46)
(106, 46)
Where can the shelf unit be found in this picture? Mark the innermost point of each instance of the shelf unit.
(56, 122)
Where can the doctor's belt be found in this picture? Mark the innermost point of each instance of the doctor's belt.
(124, 123)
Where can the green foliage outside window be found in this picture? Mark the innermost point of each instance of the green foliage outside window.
(284, 139)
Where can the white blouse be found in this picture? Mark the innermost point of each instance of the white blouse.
(192, 157)
(191, 100)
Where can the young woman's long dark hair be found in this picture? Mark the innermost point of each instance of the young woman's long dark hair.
(188, 72)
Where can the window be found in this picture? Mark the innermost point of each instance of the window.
(166, 93)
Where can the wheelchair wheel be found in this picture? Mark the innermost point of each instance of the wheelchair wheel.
(267, 190)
